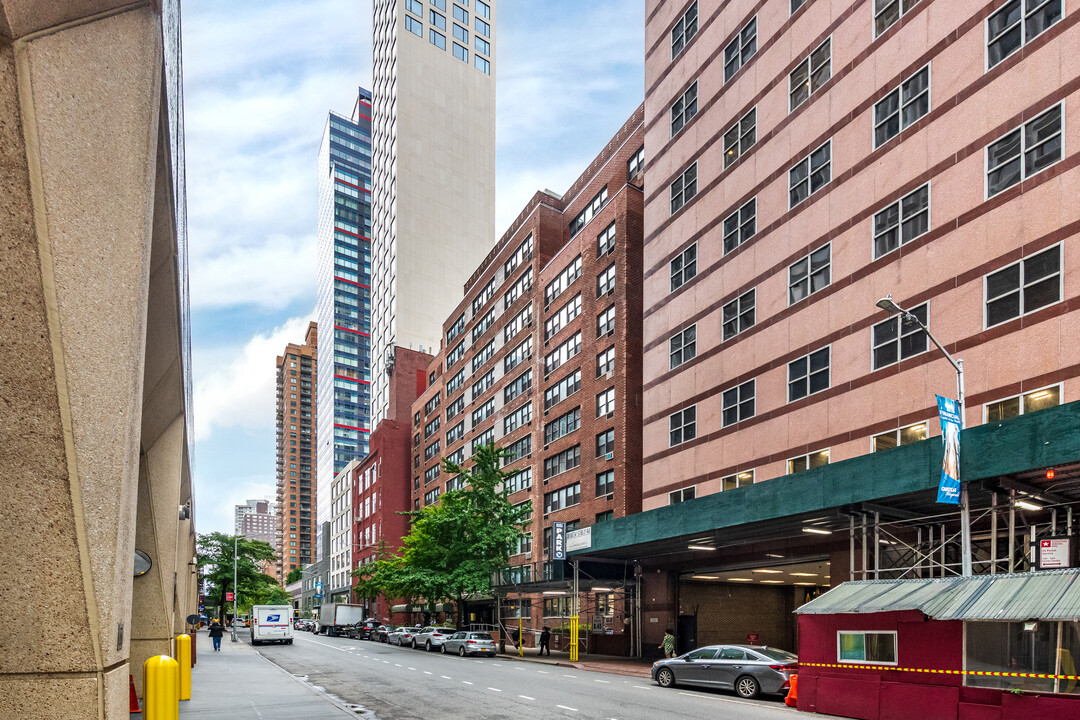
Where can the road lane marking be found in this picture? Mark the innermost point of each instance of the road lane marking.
(466, 682)
(643, 687)
(543, 672)
(495, 689)
(519, 668)
(570, 676)
(606, 682)
(399, 665)
(526, 697)
(446, 677)
(427, 672)
(564, 707)
(412, 668)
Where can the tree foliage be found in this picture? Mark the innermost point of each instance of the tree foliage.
(294, 575)
(454, 547)
(215, 558)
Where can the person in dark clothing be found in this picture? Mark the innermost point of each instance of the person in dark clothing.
(545, 641)
(216, 631)
(516, 637)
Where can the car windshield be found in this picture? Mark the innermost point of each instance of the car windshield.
(776, 654)
(481, 636)
(445, 631)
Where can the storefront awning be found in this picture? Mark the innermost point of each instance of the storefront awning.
(1047, 595)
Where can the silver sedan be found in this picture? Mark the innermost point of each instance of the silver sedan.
(747, 669)
(469, 643)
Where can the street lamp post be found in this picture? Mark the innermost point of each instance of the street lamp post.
(888, 305)
(236, 591)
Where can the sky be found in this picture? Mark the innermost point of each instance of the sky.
(259, 79)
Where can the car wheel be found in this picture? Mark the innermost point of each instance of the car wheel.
(665, 678)
(442, 648)
(288, 642)
(461, 651)
(427, 646)
(414, 643)
(747, 687)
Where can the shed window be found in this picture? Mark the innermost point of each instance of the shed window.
(1051, 648)
(875, 648)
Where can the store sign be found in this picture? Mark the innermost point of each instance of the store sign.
(228, 597)
(1055, 552)
(949, 487)
(579, 539)
(753, 638)
(558, 541)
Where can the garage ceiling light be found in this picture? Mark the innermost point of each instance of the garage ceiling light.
(705, 577)
(770, 572)
(740, 579)
(1027, 505)
(700, 547)
(817, 531)
(803, 574)
(809, 584)
(773, 582)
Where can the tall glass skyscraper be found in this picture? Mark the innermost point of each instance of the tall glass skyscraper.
(344, 305)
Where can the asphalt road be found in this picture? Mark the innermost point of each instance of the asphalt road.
(391, 683)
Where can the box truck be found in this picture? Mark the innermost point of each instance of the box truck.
(271, 623)
(335, 617)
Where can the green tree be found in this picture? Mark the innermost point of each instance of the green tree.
(215, 558)
(454, 547)
(294, 575)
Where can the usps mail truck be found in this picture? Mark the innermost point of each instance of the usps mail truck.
(271, 623)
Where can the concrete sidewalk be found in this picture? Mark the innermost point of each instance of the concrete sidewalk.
(240, 684)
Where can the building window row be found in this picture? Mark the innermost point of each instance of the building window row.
(520, 417)
(586, 215)
(518, 386)
(562, 426)
(563, 389)
(562, 317)
(684, 30)
(562, 462)
(556, 287)
(562, 498)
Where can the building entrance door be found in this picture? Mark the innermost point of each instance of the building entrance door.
(686, 634)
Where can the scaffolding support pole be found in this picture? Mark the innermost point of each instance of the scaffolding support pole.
(993, 533)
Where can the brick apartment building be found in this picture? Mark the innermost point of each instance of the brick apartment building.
(807, 159)
(380, 484)
(296, 402)
(542, 358)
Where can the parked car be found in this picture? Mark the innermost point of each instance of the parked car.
(380, 633)
(299, 624)
(362, 630)
(430, 638)
(469, 643)
(749, 670)
(400, 635)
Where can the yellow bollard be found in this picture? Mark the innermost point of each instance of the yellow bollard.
(574, 638)
(160, 685)
(183, 658)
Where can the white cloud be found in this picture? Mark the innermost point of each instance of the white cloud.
(240, 392)
(271, 274)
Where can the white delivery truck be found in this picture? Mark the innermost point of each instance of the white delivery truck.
(335, 617)
(271, 623)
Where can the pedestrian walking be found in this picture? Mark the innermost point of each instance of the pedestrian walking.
(545, 641)
(668, 644)
(216, 631)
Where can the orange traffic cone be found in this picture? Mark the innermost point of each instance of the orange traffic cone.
(134, 707)
(792, 699)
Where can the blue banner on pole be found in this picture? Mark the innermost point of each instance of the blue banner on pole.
(949, 487)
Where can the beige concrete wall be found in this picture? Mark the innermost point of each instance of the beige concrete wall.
(85, 216)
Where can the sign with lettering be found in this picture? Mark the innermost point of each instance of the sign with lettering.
(579, 539)
(558, 541)
(1055, 552)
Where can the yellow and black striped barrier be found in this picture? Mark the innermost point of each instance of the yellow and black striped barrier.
(851, 666)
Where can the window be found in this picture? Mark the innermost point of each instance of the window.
(683, 267)
(684, 188)
(441, 4)
(1023, 287)
(902, 221)
(564, 352)
(455, 354)
(605, 402)
(455, 433)
(887, 12)
(556, 287)
(898, 339)
(740, 226)
(430, 405)
(605, 483)
(519, 386)
(737, 403)
(684, 109)
(415, 7)
(521, 416)
(524, 545)
(482, 27)
(605, 516)
(1022, 404)
(562, 426)
(483, 355)
(740, 137)
(562, 389)
(432, 427)
(1013, 26)
(483, 9)
(605, 362)
(482, 327)
(431, 451)
(810, 460)
(808, 375)
(414, 26)
(523, 253)
(521, 480)
(585, 216)
(901, 436)
(454, 384)
(605, 443)
(519, 288)
(431, 474)
(795, 5)
(562, 317)
(678, 496)
(605, 281)
(737, 480)
(682, 426)
(1025, 151)
(605, 322)
(636, 165)
(455, 483)
(461, 15)
(521, 353)
(485, 438)
(684, 30)
(605, 241)
(461, 34)
(480, 63)
(874, 648)
(808, 77)
(522, 320)
(562, 498)
(437, 39)
(519, 449)
(682, 347)
(902, 107)
(738, 315)
(561, 462)
(481, 45)
(455, 408)
(809, 275)
(459, 52)
(483, 412)
(810, 174)
(739, 51)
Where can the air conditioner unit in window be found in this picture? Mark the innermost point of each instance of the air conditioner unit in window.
(610, 374)
(528, 555)
(610, 456)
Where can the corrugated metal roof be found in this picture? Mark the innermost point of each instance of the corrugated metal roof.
(1047, 595)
